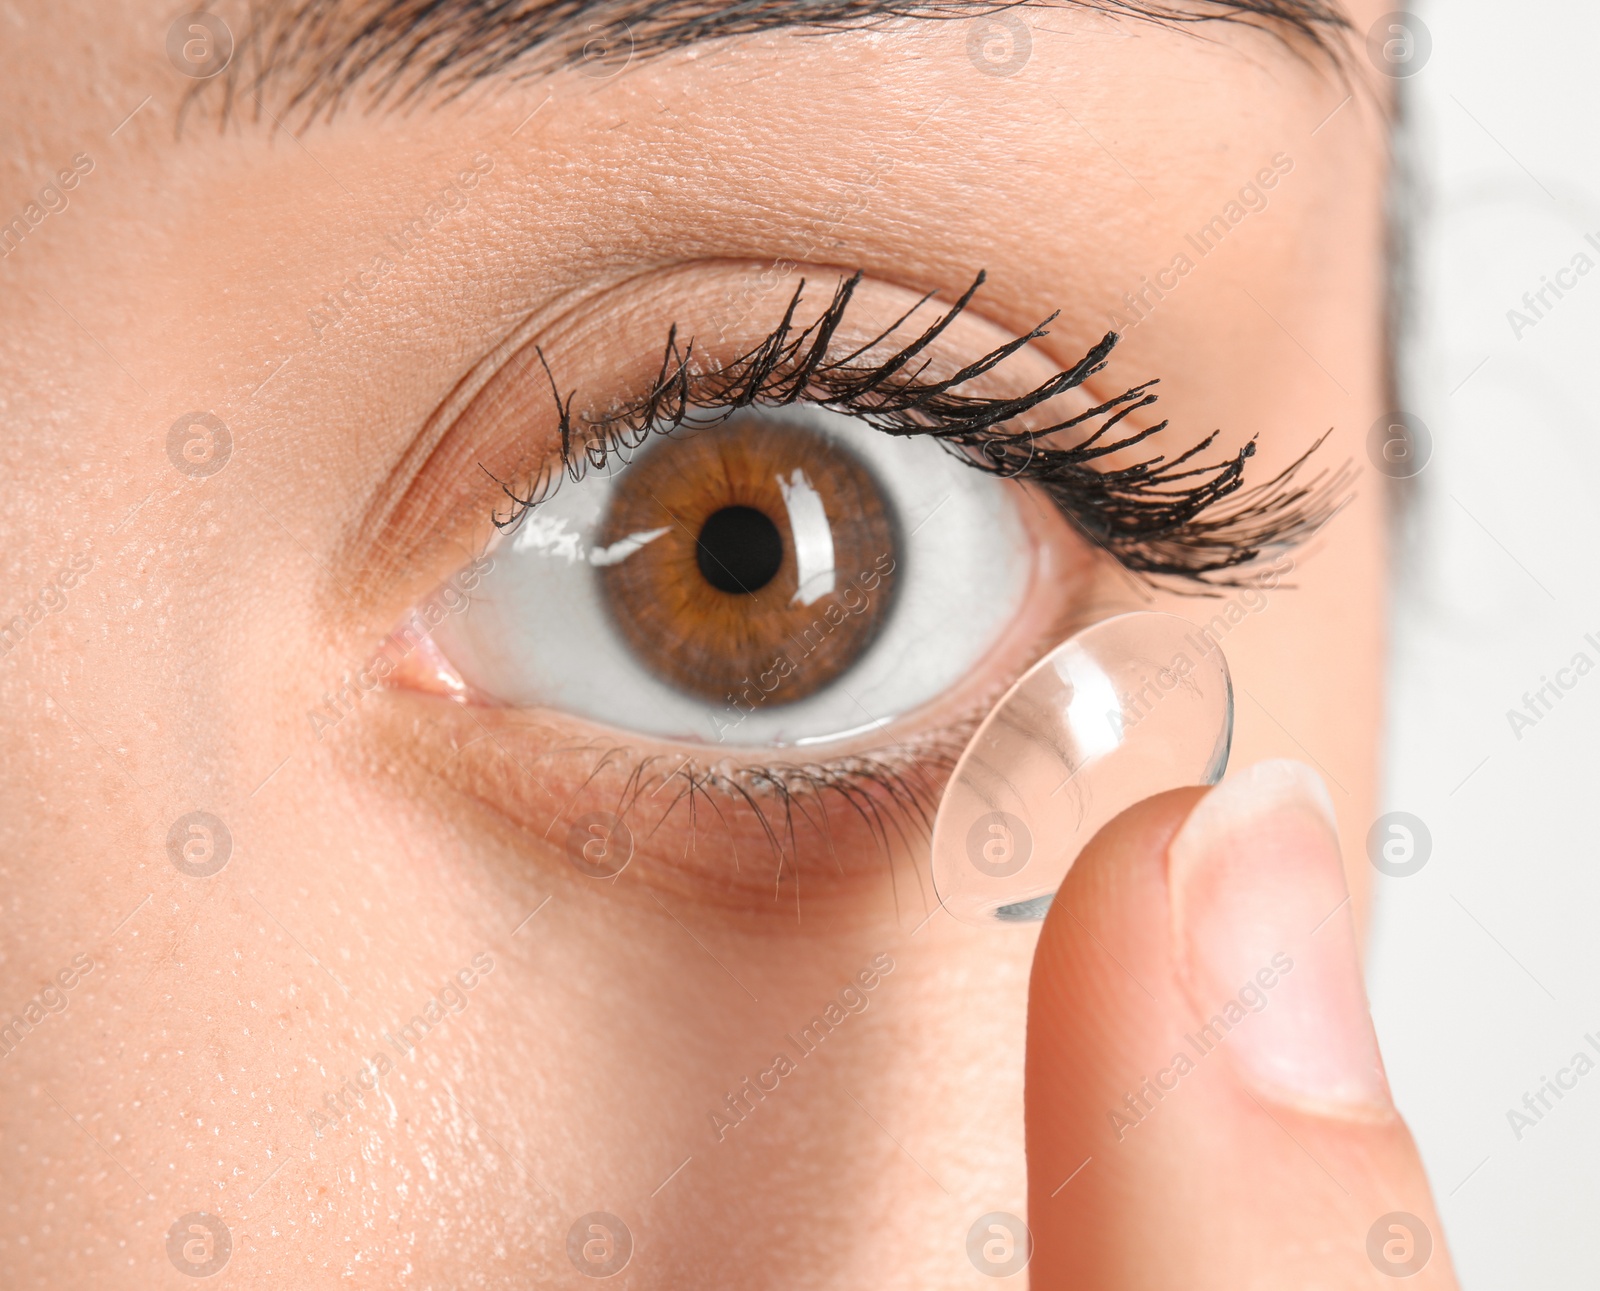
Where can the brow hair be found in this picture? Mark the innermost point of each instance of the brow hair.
(317, 54)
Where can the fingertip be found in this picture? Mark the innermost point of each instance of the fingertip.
(1265, 943)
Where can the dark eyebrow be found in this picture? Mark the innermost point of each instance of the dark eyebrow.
(314, 55)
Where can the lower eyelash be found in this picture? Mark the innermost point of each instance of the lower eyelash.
(908, 786)
(1160, 518)
(894, 795)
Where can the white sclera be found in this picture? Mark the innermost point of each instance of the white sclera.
(1130, 707)
(537, 632)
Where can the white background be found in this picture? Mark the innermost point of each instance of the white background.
(1485, 966)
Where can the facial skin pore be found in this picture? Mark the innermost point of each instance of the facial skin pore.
(322, 293)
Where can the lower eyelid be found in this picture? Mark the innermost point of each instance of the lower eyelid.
(709, 830)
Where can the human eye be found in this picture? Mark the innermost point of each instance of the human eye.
(794, 571)
(775, 577)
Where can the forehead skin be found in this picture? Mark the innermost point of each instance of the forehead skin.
(184, 274)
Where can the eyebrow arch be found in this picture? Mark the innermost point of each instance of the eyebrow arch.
(318, 54)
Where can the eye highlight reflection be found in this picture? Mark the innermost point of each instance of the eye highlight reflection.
(743, 537)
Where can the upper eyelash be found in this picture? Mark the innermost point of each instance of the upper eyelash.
(1159, 518)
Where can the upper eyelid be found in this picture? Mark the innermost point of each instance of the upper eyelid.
(433, 507)
(1162, 518)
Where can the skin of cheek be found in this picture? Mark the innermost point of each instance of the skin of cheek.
(595, 1051)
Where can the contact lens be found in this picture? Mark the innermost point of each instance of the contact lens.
(1127, 708)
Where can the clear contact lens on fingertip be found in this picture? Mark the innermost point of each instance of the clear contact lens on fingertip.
(1132, 706)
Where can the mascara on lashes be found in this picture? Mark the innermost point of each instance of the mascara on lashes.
(1161, 518)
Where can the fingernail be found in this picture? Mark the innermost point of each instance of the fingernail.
(1266, 942)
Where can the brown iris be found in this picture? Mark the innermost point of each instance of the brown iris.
(750, 563)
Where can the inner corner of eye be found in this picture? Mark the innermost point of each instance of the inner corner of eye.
(781, 576)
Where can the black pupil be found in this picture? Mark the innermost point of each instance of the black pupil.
(739, 550)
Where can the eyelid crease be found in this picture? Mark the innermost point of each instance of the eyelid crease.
(1167, 520)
